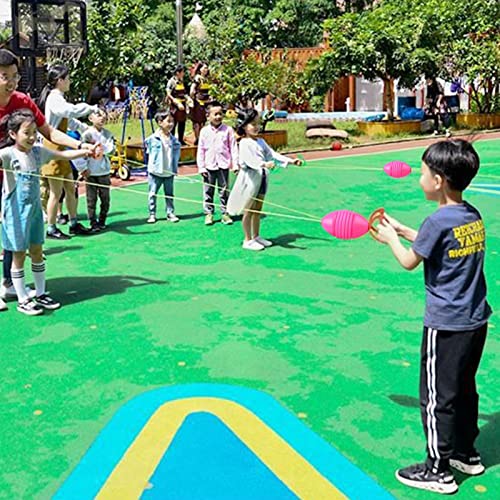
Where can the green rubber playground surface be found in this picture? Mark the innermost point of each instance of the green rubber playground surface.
(331, 329)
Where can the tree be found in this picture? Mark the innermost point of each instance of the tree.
(128, 39)
(406, 39)
(243, 81)
(384, 43)
(297, 23)
(114, 36)
(469, 48)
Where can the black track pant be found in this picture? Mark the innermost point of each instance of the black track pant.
(448, 395)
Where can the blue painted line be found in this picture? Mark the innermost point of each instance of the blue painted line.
(197, 466)
(110, 445)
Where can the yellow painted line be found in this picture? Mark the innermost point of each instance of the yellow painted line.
(131, 475)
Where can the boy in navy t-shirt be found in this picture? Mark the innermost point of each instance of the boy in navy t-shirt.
(451, 243)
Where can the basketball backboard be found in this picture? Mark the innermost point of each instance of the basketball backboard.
(41, 25)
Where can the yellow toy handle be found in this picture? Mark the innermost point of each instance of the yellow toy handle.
(376, 216)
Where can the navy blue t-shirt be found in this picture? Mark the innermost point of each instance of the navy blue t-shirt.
(451, 242)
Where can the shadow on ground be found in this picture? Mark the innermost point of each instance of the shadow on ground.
(82, 288)
(286, 240)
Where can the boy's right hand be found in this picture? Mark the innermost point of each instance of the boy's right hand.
(386, 232)
(398, 227)
(269, 164)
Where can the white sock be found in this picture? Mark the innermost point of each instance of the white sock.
(19, 284)
(39, 277)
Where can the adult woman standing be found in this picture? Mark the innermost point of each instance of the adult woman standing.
(177, 100)
(200, 95)
(436, 106)
(62, 115)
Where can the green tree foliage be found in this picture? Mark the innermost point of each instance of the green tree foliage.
(296, 23)
(469, 46)
(128, 39)
(240, 81)
(405, 39)
(384, 42)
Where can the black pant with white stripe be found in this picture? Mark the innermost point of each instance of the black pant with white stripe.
(448, 395)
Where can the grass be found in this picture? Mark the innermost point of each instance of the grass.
(329, 328)
(297, 140)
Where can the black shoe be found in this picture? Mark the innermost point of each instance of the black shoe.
(102, 225)
(46, 302)
(79, 229)
(57, 234)
(95, 228)
(420, 476)
(62, 219)
(468, 464)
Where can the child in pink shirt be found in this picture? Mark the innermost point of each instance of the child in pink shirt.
(217, 154)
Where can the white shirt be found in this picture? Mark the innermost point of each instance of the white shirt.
(254, 153)
(57, 108)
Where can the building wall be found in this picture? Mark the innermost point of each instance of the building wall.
(369, 95)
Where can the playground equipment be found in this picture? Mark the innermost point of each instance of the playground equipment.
(129, 152)
(119, 162)
(46, 32)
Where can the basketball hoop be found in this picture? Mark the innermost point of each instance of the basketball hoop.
(68, 55)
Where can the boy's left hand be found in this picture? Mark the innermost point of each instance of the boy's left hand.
(385, 232)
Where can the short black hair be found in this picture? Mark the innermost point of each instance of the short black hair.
(161, 114)
(456, 160)
(179, 68)
(245, 116)
(213, 104)
(7, 58)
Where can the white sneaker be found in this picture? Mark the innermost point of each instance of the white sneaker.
(252, 245)
(9, 292)
(30, 307)
(3, 305)
(172, 218)
(263, 242)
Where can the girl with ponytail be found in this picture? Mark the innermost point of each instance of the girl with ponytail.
(62, 115)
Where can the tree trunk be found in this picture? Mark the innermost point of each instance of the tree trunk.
(389, 97)
(475, 97)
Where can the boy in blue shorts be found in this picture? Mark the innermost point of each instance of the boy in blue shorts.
(451, 244)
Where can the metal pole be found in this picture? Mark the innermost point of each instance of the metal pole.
(178, 18)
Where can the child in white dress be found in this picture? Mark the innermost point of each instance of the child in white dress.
(256, 158)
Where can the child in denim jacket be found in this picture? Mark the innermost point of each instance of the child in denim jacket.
(163, 151)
